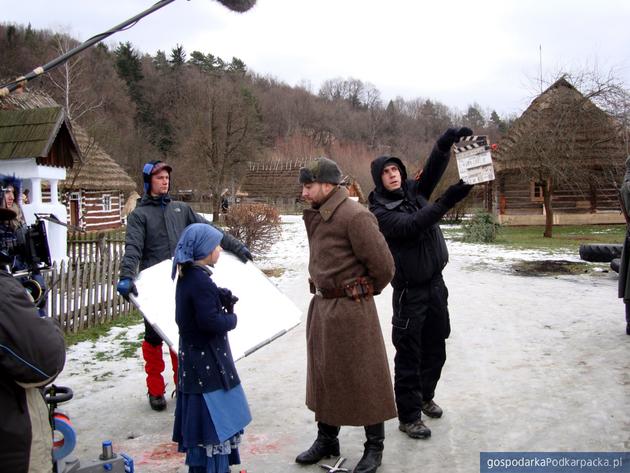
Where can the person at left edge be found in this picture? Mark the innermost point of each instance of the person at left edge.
(153, 230)
(32, 354)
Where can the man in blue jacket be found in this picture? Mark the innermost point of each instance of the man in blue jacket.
(153, 230)
(420, 322)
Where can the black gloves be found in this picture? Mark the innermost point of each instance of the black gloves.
(227, 299)
(243, 254)
(233, 245)
(455, 193)
(451, 136)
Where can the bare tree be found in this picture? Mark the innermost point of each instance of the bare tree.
(219, 132)
(70, 82)
(567, 141)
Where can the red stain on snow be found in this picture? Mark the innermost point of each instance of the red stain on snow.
(161, 454)
(260, 444)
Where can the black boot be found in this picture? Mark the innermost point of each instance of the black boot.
(326, 445)
(158, 403)
(373, 453)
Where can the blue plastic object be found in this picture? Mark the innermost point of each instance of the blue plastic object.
(69, 439)
(128, 463)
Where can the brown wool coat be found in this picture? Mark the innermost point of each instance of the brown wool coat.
(348, 380)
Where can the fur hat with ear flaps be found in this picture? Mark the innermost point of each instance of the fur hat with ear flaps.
(320, 170)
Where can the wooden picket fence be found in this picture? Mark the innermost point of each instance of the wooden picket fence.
(82, 293)
(91, 246)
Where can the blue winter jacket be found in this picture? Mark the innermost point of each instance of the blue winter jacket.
(205, 358)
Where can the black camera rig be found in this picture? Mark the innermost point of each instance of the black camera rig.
(24, 251)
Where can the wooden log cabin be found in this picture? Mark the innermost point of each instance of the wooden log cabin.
(95, 188)
(585, 146)
(276, 183)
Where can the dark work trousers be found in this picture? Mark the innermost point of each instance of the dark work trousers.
(420, 327)
(150, 335)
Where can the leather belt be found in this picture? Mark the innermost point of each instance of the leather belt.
(361, 288)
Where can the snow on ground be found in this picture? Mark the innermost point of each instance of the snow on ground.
(112, 356)
(494, 255)
(534, 363)
(290, 252)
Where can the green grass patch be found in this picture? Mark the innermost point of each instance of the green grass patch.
(103, 356)
(102, 377)
(565, 237)
(94, 333)
(129, 349)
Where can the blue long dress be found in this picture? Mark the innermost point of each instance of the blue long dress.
(212, 409)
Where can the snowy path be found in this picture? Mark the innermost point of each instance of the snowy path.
(534, 363)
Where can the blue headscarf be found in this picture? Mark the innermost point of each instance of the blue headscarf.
(197, 241)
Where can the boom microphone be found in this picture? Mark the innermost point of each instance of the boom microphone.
(238, 5)
(5, 89)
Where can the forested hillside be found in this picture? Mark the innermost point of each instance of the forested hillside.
(209, 116)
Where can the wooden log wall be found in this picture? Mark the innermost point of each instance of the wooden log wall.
(515, 194)
(94, 214)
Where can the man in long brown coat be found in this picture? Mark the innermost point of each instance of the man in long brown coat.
(348, 380)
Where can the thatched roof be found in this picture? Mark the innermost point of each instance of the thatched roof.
(566, 125)
(354, 188)
(279, 179)
(41, 133)
(97, 170)
(273, 179)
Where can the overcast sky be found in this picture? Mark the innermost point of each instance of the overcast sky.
(457, 52)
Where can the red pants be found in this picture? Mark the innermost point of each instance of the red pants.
(154, 366)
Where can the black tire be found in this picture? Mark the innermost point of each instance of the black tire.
(600, 253)
(615, 264)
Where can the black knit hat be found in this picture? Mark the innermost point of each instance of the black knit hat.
(320, 170)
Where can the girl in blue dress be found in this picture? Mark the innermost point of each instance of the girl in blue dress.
(211, 410)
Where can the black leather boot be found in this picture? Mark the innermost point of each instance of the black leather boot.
(373, 453)
(326, 445)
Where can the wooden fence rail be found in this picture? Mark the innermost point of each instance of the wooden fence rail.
(82, 293)
(92, 246)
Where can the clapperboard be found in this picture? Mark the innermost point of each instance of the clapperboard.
(474, 161)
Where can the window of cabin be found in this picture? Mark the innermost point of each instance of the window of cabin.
(107, 202)
(536, 191)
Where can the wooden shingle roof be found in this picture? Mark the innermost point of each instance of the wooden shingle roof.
(93, 168)
(41, 133)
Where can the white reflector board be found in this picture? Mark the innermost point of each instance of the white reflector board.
(264, 313)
